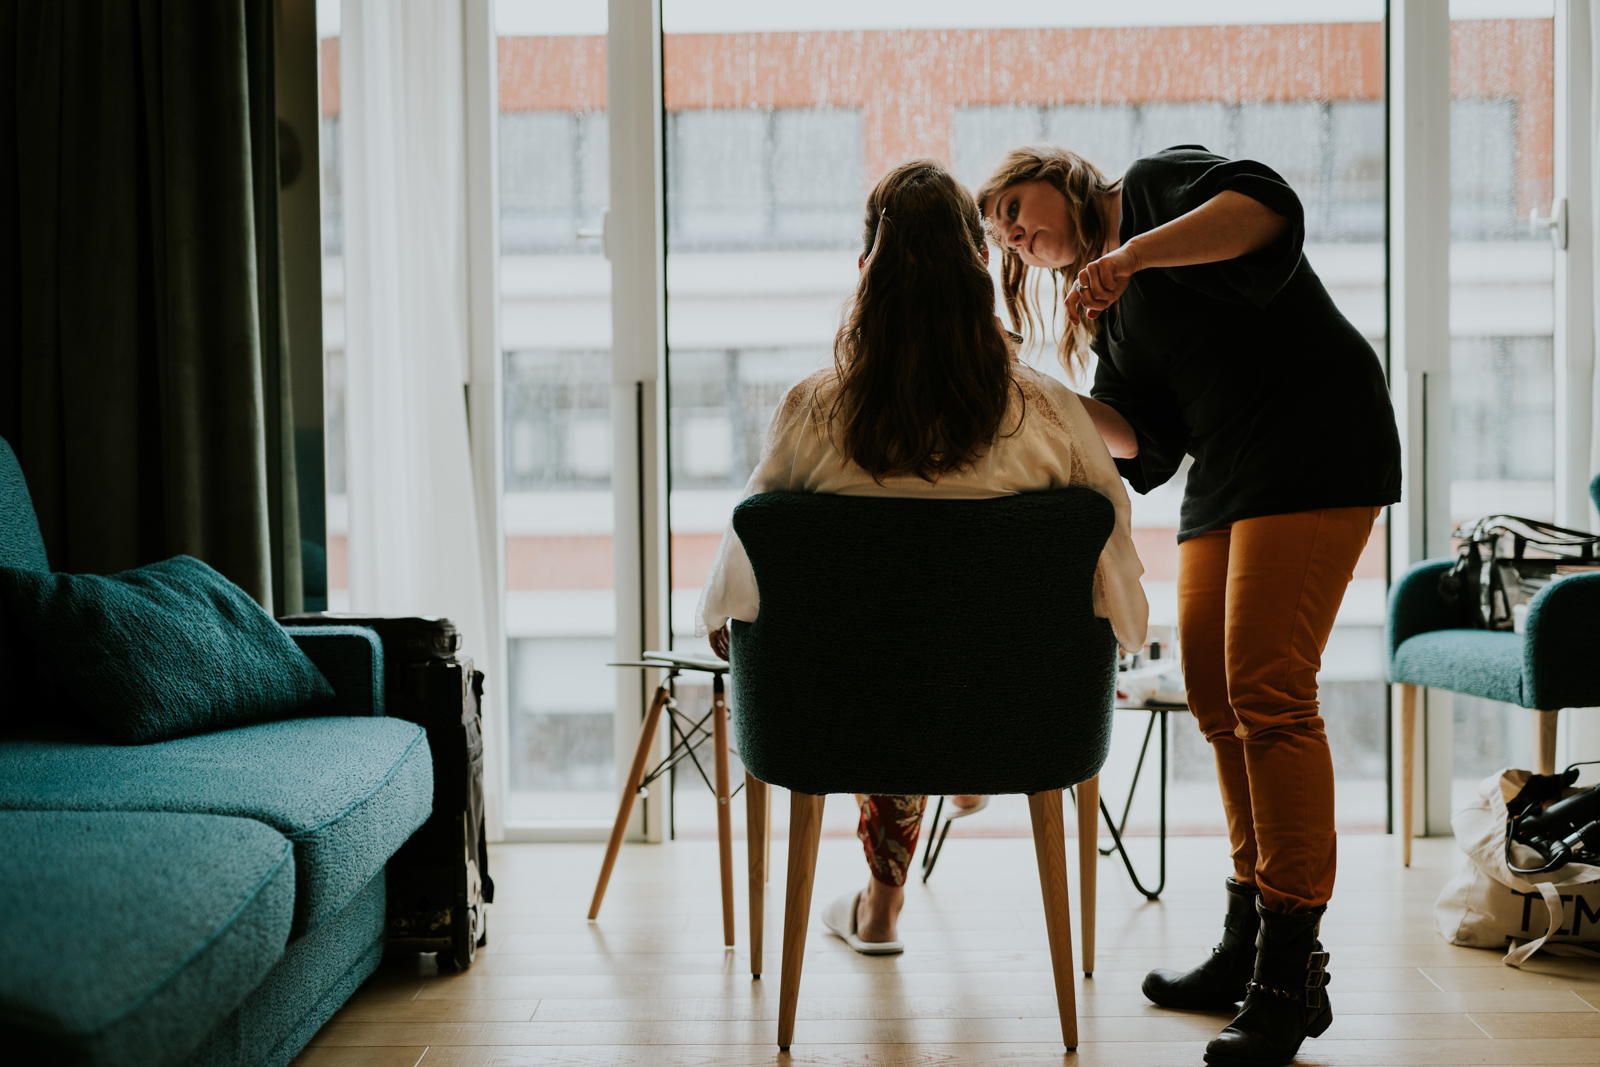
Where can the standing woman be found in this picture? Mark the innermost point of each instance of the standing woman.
(1217, 340)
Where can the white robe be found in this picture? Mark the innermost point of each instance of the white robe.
(1056, 447)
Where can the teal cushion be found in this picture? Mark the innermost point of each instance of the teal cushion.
(1480, 663)
(162, 651)
(346, 792)
(129, 936)
(315, 977)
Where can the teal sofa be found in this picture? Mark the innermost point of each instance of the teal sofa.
(208, 900)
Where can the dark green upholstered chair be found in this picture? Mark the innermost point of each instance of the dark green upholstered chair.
(1545, 669)
(923, 647)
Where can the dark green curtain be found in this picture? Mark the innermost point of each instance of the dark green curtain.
(143, 364)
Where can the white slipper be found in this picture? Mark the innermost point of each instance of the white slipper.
(840, 917)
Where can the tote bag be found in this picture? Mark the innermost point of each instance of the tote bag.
(1488, 906)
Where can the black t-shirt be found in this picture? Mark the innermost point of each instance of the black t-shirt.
(1245, 364)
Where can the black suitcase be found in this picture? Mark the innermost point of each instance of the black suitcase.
(438, 883)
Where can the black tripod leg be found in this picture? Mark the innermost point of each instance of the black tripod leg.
(935, 845)
(1163, 834)
(1138, 769)
(1118, 846)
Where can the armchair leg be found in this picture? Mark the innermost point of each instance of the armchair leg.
(719, 738)
(756, 822)
(1544, 740)
(1088, 863)
(1050, 845)
(805, 832)
(1408, 758)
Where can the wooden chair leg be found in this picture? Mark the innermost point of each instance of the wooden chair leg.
(1088, 864)
(1050, 844)
(719, 738)
(1544, 740)
(1408, 773)
(641, 756)
(805, 831)
(756, 823)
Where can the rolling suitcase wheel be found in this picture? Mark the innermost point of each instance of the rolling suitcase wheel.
(464, 940)
(469, 927)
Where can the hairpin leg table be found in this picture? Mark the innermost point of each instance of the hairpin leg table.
(688, 733)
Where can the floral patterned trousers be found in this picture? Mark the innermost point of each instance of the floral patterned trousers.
(888, 833)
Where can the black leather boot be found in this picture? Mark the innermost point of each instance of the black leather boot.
(1286, 1003)
(1218, 983)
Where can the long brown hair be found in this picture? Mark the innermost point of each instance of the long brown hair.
(1085, 186)
(924, 371)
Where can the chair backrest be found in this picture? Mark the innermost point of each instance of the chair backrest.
(20, 542)
(911, 646)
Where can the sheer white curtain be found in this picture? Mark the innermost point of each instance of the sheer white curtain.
(414, 546)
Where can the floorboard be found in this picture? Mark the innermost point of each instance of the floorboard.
(649, 984)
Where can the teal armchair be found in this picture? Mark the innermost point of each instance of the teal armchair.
(1544, 669)
(914, 647)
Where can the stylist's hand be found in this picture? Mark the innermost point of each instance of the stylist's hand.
(719, 641)
(1100, 284)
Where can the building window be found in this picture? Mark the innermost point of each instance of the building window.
(557, 420)
(562, 695)
(554, 180)
(779, 178)
(723, 401)
(1483, 171)
(332, 188)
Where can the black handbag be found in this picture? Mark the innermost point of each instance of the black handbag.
(1493, 572)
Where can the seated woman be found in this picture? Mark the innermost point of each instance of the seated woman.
(925, 398)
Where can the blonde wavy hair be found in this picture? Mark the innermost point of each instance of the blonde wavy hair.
(1085, 186)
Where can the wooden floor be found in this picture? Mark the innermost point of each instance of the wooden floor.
(649, 984)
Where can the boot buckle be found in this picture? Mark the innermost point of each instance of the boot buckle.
(1316, 978)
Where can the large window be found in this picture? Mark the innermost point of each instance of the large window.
(773, 139)
(777, 120)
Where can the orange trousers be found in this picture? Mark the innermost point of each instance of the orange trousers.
(1256, 602)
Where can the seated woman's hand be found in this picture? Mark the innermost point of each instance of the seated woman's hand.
(719, 641)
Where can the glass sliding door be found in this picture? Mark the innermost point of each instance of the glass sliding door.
(555, 334)
(780, 119)
(1502, 373)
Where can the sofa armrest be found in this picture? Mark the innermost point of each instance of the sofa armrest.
(1415, 607)
(1558, 644)
(351, 659)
